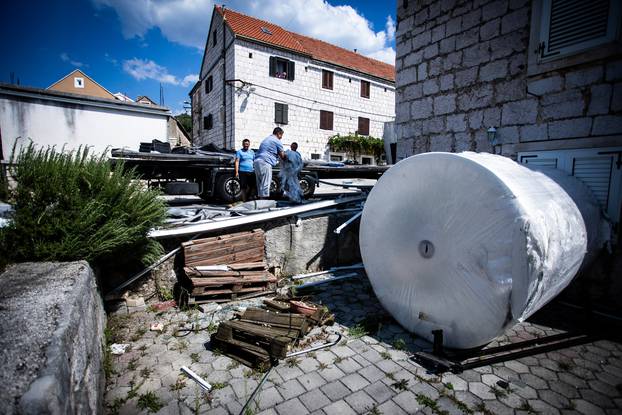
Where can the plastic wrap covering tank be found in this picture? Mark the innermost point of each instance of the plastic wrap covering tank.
(473, 243)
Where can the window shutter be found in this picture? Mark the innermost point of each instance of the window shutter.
(278, 113)
(272, 66)
(595, 173)
(290, 70)
(363, 126)
(365, 89)
(326, 120)
(571, 26)
(284, 116)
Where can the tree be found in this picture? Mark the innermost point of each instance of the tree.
(186, 122)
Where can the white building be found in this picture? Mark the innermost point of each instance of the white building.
(256, 75)
(53, 118)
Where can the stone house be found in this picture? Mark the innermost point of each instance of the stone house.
(546, 75)
(256, 75)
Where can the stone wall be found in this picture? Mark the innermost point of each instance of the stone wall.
(52, 323)
(462, 67)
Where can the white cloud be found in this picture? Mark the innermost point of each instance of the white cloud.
(111, 59)
(141, 69)
(187, 21)
(65, 58)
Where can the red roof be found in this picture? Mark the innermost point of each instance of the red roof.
(251, 28)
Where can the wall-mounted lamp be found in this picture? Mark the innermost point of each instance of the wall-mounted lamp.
(492, 137)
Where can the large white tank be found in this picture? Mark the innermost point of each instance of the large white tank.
(472, 243)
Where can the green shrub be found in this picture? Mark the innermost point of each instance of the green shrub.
(354, 145)
(72, 206)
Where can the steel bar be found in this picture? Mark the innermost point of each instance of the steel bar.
(313, 284)
(244, 220)
(198, 379)
(328, 271)
(346, 223)
(314, 348)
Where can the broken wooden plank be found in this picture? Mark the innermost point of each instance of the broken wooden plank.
(275, 305)
(251, 255)
(225, 298)
(248, 279)
(273, 319)
(220, 251)
(194, 244)
(196, 274)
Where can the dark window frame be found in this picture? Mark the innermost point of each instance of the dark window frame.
(363, 127)
(365, 89)
(281, 113)
(208, 122)
(209, 84)
(327, 79)
(326, 120)
(287, 68)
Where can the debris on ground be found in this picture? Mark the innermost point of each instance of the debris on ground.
(119, 348)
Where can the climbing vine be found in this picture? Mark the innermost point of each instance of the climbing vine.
(354, 145)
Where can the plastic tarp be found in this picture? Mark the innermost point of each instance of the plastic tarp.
(472, 243)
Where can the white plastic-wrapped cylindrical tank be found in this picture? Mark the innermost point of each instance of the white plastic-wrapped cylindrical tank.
(471, 243)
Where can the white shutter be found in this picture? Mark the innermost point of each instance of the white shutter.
(570, 26)
(600, 169)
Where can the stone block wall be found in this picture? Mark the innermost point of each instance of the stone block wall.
(462, 67)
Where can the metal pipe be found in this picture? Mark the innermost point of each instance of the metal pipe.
(198, 379)
(314, 348)
(328, 271)
(313, 284)
(346, 223)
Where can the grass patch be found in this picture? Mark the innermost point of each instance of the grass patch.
(150, 402)
(322, 366)
(292, 361)
(337, 359)
(145, 373)
(219, 385)
(132, 364)
(499, 393)
(234, 364)
(399, 344)
(401, 384)
(374, 411)
(356, 332)
(481, 407)
(385, 355)
(72, 206)
(138, 334)
(195, 357)
(565, 365)
(525, 406)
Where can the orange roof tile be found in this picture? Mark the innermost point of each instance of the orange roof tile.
(251, 28)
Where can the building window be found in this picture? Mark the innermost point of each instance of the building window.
(327, 79)
(326, 120)
(208, 122)
(336, 157)
(250, 55)
(280, 113)
(78, 82)
(209, 85)
(363, 126)
(281, 68)
(214, 38)
(367, 160)
(315, 156)
(365, 87)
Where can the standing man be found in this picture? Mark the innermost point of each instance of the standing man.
(270, 150)
(290, 169)
(244, 168)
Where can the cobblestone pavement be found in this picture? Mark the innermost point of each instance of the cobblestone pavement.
(365, 373)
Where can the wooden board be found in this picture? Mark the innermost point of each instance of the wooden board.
(273, 319)
(255, 254)
(262, 276)
(200, 275)
(257, 233)
(225, 298)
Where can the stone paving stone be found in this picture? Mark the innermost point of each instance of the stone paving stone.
(390, 408)
(572, 380)
(288, 373)
(311, 380)
(308, 364)
(343, 351)
(268, 398)
(424, 388)
(379, 392)
(471, 376)
(517, 366)
(388, 366)
(335, 390)
(348, 365)
(293, 406)
(372, 355)
(235, 407)
(338, 408)
(564, 389)
(360, 402)
(357, 345)
(331, 373)
(325, 357)
(354, 382)
(498, 408)
(407, 401)
(543, 407)
(457, 383)
(544, 373)
(524, 391)
(533, 381)
(218, 376)
(596, 398)
(243, 387)
(290, 389)
(553, 398)
(269, 411)
(224, 395)
(586, 407)
(361, 360)
(314, 400)
(371, 373)
(490, 380)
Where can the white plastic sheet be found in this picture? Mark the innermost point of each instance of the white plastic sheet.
(472, 243)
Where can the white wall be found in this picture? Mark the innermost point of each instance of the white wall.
(53, 123)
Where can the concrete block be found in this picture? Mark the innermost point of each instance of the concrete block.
(452, 61)
(402, 112)
(444, 104)
(456, 122)
(435, 66)
(510, 91)
(492, 117)
(614, 71)
(477, 98)
(413, 59)
(507, 45)
(405, 77)
(564, 96)
(536, 132)
(421, 16)
(609, 124)
(578, 127)
(507, 135)
(421, 40)
(489, 30)
(519, 112)
(494, 9)
(463, 142)
(584, 77)
(447, 45)
(546, 85)
(494, 70)
(476, 54)
(517, 4)
(430, 86)
(466, 77)
(421, 108)
(514, 21)
(441, 142)
(447, 82)
(430, 51)
(518, 63)
(403, 46)
(467, 38)
(412, 91)
(422, 71)
(599, 99)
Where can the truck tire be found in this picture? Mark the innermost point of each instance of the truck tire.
(307, 184)
(275, 188)
(228, 188)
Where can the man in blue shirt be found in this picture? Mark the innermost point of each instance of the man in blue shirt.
(270, 150)
(244, 168)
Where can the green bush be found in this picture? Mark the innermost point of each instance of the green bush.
(354, 145)
(71, 206)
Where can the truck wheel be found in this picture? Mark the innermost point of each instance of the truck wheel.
(275, 188)
(228, 188)
(307, 185)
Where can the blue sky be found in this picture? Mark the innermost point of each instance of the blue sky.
(132, 46)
